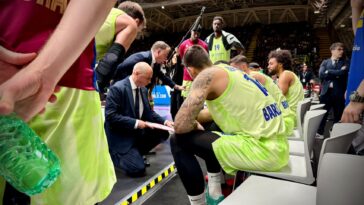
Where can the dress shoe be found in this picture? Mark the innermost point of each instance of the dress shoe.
(146, 161)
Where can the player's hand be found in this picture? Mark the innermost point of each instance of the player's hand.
(141, 124)
(169, 123)
(179, 87)
(11, 62)
(26, 93)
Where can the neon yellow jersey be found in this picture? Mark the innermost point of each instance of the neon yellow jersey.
(105, 36)
(253, 128)
(276, 93)
(278, 96)
(246, 107)
(294, 94)
(218, 51)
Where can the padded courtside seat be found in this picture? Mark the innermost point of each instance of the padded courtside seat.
(302, 107)
(311, 124)
(317, 106)
(299, 168)
(340, 182)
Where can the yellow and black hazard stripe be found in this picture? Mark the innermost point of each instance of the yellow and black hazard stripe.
(143, 190)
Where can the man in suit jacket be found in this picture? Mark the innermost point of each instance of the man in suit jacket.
(333, 74)
(305, 76)
(155, 57)
(126, 112)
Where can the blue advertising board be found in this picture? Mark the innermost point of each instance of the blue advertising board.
(161, 95)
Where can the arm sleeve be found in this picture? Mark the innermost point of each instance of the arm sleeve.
(339, 73)
(322, 72)
(166, 80)
(233, 41)
(107, 65)
(125, 68)
(136, 124)
(154, 117)
(151, 115)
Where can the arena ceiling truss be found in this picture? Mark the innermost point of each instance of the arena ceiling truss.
(178, 15)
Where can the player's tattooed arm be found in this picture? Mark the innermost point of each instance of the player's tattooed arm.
(186, 117)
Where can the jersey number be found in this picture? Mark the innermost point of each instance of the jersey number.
(257, 83)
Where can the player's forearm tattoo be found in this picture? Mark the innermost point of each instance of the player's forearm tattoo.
(186, 116)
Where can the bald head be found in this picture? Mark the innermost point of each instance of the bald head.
(142, 74)
(142, 67)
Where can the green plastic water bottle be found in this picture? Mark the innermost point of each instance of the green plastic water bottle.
(25, 160)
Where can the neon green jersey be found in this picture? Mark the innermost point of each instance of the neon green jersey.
(246, 107)
(218, 51)
(105, 36)
(278, 96)
(276, 93)
(294, 94)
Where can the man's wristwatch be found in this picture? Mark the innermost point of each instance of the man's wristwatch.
(355, 97)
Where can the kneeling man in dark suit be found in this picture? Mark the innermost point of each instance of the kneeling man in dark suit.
(127, 112)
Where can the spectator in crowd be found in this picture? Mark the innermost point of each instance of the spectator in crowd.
(305, 75)
(315, 89)
(114, 39)
(299, 39)
(333, 74)
(245, 123)
(221, 42)
(177, 77)
(280, 62)
(71, 126)
(193, 40)
(127, 113)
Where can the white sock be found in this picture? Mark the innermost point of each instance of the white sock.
(214, 184)
(198, 200)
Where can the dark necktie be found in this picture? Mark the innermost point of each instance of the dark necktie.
(136, 105)
(336, 64)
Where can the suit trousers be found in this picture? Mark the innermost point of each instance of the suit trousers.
(337, 103)
(132, 162)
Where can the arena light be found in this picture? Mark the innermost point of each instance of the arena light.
(162, 7)
(342, 25)
(318, 5)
